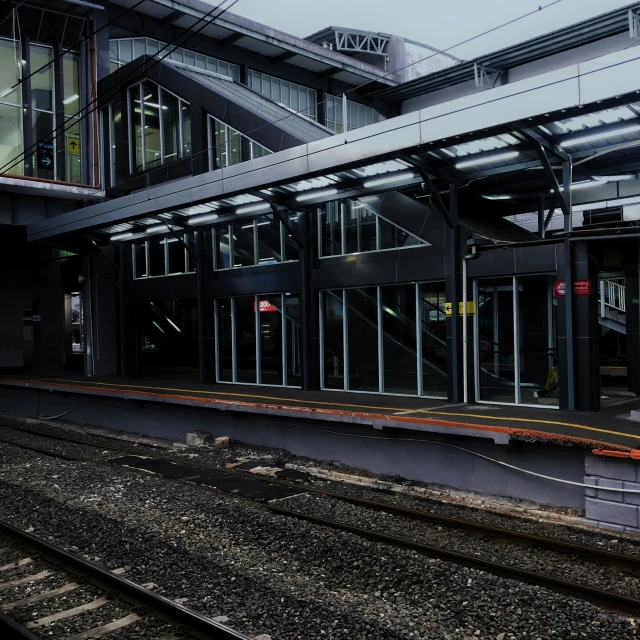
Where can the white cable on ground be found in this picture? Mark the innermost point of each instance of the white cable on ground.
(480, 455)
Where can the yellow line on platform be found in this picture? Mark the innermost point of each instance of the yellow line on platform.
(353, 406)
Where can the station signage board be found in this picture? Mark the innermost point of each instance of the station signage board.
(580, 288)
(265, 306)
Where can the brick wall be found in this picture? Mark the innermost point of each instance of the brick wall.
(612, 509)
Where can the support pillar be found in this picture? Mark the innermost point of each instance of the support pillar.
(48, 315)
(310, 330)
(632, 306)
(206, 329)
(455, 251)
(129, 334)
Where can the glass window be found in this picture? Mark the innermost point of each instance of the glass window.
(367, 229)
(139, 47)
(362, 331)
(71, 73)
(331, 220)
(291, 249)
(126, 51)
(271, 338)
(350, 214)
(11, 143)
(269, 241)
(243, 249)
(333, 339)
(201, 61)
(399, 339)
(9, 73)
(293, 98)
(231, 146)
(156, 257)
(140, 259)
(245, 322)
(171, 125)
(73, 164)
(151, 103)
(153, 46)
(293, 338)
(43, 138)
(304, 102)
(176, 255)
(190, 58)
(186, 129)
(358, 115)
(136, 127)
(235, 146)
(432, 306)
(42, 80)
(225, 340)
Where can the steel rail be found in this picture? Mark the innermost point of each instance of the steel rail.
(614, 601)
(195, 623)
(607, 558)
(11, 630)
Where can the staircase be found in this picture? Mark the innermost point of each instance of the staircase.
(612, 308)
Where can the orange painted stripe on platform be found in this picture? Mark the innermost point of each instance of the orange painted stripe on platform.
(382, 417)
(357, 406)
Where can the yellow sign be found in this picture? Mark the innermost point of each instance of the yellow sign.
(73, 144)
(471, 308)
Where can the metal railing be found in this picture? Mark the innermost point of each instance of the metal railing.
(612, 294)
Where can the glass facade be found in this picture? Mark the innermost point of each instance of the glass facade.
(348, 226)
(228, 146)
(31, 127)
(259, 339)
(159, 126)
(123, 50)
(516, 351)
(161, 256)
(247, 243)
(295, 96)
(385, 339)
(358, 115)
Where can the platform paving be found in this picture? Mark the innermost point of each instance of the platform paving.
(606, 432)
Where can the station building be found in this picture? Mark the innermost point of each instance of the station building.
(190, 197)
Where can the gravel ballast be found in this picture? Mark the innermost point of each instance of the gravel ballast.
(270, 574)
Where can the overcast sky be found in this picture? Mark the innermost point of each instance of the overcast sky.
(439, 23)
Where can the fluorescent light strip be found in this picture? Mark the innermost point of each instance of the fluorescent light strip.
(71, 99)
(121, 236)
(395, 177)
(259, 224)
(316, 194)
(206, 218)
(599, 136)
(487, 159)
(157, 228)
(252, 207)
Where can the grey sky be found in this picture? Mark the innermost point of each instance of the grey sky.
(435, 22)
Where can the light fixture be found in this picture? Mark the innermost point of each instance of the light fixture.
(155, 229)
(472, 162)
(316, 194)
(582, 185)
(392, 177)
(249, 208)
(121, 236)
(258, 224)
(590, 137)
(6, 92)
(206, 218)
(71, 99)
(498, 197)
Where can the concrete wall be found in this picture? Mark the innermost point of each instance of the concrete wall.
(612, 509)
(429, 462)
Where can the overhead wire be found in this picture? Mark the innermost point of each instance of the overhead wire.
(355, 88)
(73, 120)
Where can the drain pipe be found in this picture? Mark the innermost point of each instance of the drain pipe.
(465, 331)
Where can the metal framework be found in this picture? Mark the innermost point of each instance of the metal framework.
(359, 42)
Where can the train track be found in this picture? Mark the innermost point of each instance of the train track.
(614, 601)
(72, 573)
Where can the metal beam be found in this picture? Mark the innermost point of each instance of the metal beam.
(178, 238)
(537, 138)
(232, 39)
(551, 177)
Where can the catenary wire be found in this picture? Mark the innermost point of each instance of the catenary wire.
(73, 120)
(356, 88)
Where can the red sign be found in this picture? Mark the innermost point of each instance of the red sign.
(580, 288)
(265, 306)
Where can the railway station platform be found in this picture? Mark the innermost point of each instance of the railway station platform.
(609, 432)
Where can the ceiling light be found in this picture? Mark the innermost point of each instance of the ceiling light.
(498, 197)
(206, 218)
(395, 177)
(472, 162)
(71, 99)
(252, 207)
(316, 194)
(121, 236)
(590, 137)
(159, 227)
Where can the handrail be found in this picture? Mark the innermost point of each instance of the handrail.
(612, 294)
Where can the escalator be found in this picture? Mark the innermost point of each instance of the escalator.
(398, 342)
